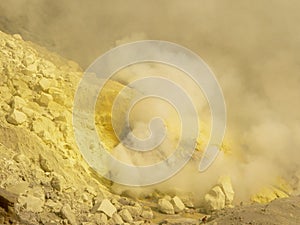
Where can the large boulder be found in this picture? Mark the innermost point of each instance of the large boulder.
(215, 199)
(226, 185)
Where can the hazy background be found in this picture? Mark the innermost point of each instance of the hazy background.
(252, 46)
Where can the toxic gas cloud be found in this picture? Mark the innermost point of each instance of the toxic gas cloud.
(253, 47)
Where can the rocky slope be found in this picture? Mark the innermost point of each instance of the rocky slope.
(43, 177)
(40, 163)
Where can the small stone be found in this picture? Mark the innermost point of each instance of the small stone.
(125, 201)
(167, 197)
(29, 112)
(165, 206)
(116, 218)
(177, 204)
(95, 207)
(18, 188)
(37, 191)
(35, 107)
(18, 102)
(17, 37)
(107, 207)
(187, 201)
(30, 70)
(126, 216)
(85, 197)
(28, 60)
(215, 199)
(31, 203)
(147, 214)
(57, 95)
(45, 84)
(62, 117)
(44, 164)
(55, 183)
(42, 124)
(54, 206)
(67, 213)
(101, 218)
(45, 99)
(91, 191)
(116, 203)
(11, 44)
(45, 135)
(97, 200)
(6, 107)
(135, 210)
(48, 69)
(20, 158)
(16, 117)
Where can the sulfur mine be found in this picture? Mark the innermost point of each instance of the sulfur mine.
(62, 154)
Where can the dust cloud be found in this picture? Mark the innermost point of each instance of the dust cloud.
(253, 47)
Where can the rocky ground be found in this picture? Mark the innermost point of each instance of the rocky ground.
(44, 179)
(280, 211)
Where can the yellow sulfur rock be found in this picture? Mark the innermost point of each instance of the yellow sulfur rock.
(16, 117)
(283, 185)
(30, 70)
(45, 84)
(57, 95)
(268, 194)
(103, 112)
(45, 99)
(35, 107)
(226, 185)
(29, 112)
(215, 199)
(18, 102)
(28, 59)
(19, 84)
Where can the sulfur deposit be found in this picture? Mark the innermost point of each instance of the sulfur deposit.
(40, 163)
(43, 177)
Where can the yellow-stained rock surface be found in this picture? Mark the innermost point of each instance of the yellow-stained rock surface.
(268, 194)
(40, 161)
(103, 115)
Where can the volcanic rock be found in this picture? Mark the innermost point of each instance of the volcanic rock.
(67, 213)
(177, 204)
(107, 207)
(215, 199)
(16, 117)
(225, 184)
(165, 206)
(126, 216)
